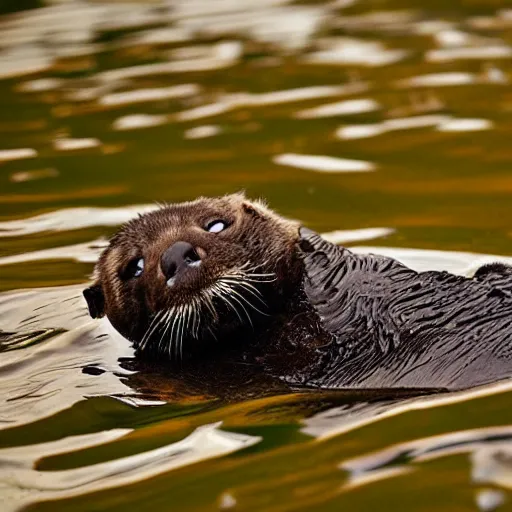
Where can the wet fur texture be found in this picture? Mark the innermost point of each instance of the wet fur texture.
(256, 238)
(332, 319)
(395, 327)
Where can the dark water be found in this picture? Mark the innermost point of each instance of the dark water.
(386, 123)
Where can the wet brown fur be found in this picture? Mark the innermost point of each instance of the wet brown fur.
(332, 319)
(256, 235)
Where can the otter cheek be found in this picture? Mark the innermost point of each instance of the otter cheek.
(129, 328)
(123, 316)
(116, 319)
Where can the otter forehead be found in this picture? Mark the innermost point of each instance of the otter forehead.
(175, 218)
(252, 225)
(185, 218)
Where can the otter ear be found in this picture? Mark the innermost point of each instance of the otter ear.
(95, 300)
(250, 209)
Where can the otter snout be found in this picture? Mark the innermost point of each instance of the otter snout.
(178, 259)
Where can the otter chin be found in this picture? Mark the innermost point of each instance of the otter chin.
(215, 276)
(192, 276)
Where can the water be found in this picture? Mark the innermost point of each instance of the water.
(384, 124)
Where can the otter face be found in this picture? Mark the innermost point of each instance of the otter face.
(183, 276)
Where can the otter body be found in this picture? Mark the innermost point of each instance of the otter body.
(395, 327)
(216, 276)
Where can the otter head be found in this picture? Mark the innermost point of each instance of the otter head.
(181, 277)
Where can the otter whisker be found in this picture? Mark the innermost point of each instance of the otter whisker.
(176, 317)
(261, 278)
(255, 266)
(252, 287)
(242, 282)
(247, 287)
(213, 334)
(195, 324)
(183, 329)
(246, 271)
(176, 340)
(268, 277)
(161, 323)
(179, 331)
(229, 303)
(151, 329)
(235, 309)
(165, 320)
(246, 266)
(258, 274)
(249, 303)
(186, 327)
(172, 335)
(253, 291)
(211, 308)
(236, 289)
(243, 308)
(171, 341)
(251, 272)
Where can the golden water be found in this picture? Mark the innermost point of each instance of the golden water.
(386, 123)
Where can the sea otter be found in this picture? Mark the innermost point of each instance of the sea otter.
(194, 280)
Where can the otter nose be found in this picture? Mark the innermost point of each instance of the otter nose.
(177, 258)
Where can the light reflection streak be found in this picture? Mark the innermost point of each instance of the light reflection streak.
(205, 442)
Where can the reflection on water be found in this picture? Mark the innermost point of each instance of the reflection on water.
(490, 460)
(205, 442)
(383, 121)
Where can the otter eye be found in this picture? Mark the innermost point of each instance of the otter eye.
(134, 268)
(216, 226)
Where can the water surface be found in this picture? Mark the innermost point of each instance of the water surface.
(384, 124)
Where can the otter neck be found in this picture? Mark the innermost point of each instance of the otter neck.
(294, 345)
